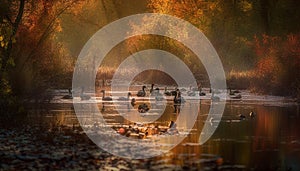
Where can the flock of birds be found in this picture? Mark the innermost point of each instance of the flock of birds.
(142, 108)
(251, 115)
(155, 92)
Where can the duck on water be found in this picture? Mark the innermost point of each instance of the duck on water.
(167, 93)
(251, 115)
(69, 95)
(125, 98)
(177, 98)
(158, 95)
(152, 88)
(143, 108)
(105, 98)
(141, 93)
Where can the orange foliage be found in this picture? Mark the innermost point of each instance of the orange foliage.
(190, 10)
(39, 57)
(278, 64)
(291, 49)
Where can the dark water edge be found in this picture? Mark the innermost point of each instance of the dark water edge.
(50, 138)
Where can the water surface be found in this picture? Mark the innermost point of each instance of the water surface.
(270, 140)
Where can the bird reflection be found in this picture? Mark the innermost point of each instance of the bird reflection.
(177, 108)
(131, 104)
(103, 108)
(178, 100)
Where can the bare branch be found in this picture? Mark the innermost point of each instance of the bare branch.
(19, 17)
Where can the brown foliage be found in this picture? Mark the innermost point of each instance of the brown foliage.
(38, 54)
(277, 69)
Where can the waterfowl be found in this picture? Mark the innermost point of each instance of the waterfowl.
(84, 96)
(143, 108)
(239, 96)
(178, 99)
(167, 93)
(183, 89)
(242, 117)
(69, 95)
(172, 124)
(236, 91)
(191, 93)
(105, 98)
(125, 98)
(214, 98)
(172, 128)
(158, 95)
(133, 102)
(231, 93)
(174, 92)
(252, 114)
(202, 94)
(142, 92)
(152, 88)
(154, 92)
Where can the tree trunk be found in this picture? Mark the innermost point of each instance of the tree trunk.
(265, 15)
(15, 27)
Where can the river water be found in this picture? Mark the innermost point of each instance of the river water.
(270, 140)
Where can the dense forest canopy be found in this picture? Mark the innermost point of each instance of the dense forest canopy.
(257, 41)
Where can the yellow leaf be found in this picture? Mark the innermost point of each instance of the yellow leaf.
(14, 40)
(11, 61)
(1, 38)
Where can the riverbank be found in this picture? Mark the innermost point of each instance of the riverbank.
(35, 148)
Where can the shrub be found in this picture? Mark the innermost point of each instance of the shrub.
(277, 68)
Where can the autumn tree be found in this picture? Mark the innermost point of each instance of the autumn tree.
(278, 65)
(30, 54)
(40, 56)
(9, 24)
